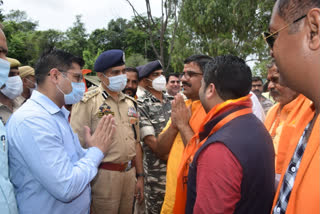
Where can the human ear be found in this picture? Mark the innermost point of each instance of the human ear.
(314, 28)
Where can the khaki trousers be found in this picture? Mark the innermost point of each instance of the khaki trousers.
(113, 192)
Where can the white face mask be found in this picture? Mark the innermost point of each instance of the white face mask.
(13, 88)
(159, 83)
(116, 83)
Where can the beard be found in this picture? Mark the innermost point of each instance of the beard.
(130, 91)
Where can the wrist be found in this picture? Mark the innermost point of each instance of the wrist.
(140, 175)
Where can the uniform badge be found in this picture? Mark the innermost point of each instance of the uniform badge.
(133, 115)
(104, 109)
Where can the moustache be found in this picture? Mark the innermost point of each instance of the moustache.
(133, 91)
(274, 93)
(186, 83)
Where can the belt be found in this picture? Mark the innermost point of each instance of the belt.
(121, 167)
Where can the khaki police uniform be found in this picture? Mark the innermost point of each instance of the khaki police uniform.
(6, 112)
(112, 191)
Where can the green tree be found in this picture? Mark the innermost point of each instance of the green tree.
(76, 38)
(135, 60)
(226, 26)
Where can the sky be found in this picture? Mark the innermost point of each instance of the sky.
(60, 14)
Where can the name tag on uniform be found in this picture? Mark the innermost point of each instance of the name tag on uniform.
(104, 109)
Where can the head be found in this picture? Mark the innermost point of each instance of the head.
(257, 86)
(132, 81)
(225, 77)
(295, 44)
(28, 79)
(152, 77)
(173, 83)
(110, 70)
(57, 72)
(192, 75)
(13, 87)
(281, 94)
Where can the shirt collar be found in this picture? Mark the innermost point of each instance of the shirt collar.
(47, 103)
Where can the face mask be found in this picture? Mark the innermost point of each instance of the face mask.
(78, 89)
(159, 83)
(13, 87)
(117, 83)
(4, 71)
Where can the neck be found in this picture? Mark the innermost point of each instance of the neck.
(113, 94)
(157, 94)
(26, 93)
(53, 94)
(6, 101)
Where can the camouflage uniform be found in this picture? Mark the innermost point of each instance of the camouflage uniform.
(153, 118)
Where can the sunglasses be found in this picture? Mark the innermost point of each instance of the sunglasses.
(270, 38)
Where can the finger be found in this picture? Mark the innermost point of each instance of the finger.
(100, 124)
(107, 124)
(87, 133)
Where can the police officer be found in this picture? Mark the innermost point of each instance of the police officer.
(113, 189)
(29, 83)
(7, 199)
(154, 109)
(12, 89)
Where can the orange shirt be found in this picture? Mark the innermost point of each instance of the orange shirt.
(198, 114)
(305, 195)
(274, 123)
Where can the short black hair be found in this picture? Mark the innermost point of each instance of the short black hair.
(256, 78)
(131, 69)
(55, 58)
(200, 59)
(172, 74)
(291, 10)
(230, 75)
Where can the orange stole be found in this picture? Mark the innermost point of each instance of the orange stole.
(195, 144)
(292, 109)
(305, 195)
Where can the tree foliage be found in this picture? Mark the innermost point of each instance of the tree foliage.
(185, 27)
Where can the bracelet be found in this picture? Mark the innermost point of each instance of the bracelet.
(140, 175)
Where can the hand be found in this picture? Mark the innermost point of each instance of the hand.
(180, 114)
(139, 190)
(102, 137)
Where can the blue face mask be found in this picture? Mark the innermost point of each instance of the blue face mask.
(78, 89)
(117, 83)
(4, 71)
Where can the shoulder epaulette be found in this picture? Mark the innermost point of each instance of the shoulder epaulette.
(89, 94)
(131, 98)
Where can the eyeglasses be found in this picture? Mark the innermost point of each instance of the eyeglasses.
(189, 74)
(270, 38)
(77, 76)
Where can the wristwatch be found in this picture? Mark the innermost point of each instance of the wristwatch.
(140, 175)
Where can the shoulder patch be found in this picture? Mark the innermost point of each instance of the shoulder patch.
(89, 94)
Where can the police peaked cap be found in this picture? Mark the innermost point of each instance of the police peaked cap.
(109, 59)
(147, 69)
